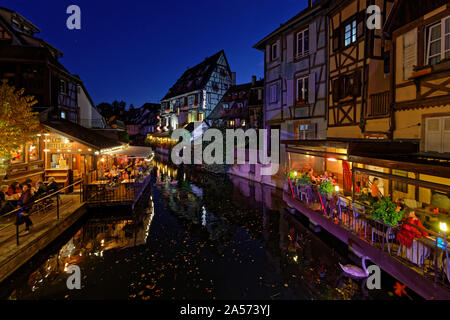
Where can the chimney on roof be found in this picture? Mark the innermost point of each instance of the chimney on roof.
(253, 81)
(233, 78)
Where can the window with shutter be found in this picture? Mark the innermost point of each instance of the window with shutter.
(437, 134)
(409, 53)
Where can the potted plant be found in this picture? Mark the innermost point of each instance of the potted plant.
(419, 71)
(388, 213)
(325, 188)
(291, 178)
(304, 180)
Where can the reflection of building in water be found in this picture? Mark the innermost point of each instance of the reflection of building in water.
(97, 237)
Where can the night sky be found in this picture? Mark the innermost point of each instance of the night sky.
(136, 50)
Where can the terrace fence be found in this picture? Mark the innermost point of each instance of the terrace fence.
(427, 255)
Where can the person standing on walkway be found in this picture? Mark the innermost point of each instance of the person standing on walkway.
(25, 203)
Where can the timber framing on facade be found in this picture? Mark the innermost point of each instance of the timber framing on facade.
(420, 82)
(358, 74)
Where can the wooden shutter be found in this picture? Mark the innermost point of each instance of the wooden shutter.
(312, 88)
(290, 48)
(409, 53)
(446, 135)
(290, 92)
(337, 39)
(335, 91)
(268, 53)
(312, 37)
(433, 135)
(356, 90)
(360, 24)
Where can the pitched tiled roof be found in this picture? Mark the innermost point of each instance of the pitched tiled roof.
(81, 134)
(234, 95)
(194, 78)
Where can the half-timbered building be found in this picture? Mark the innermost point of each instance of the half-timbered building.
(31, 63)
(358, 104)
(295, 72)
(241, 107)
(420, 63)
(196, 92)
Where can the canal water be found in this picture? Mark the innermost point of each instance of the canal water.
(201, 236)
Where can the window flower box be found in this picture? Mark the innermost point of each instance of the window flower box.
(167, 111)
(420, 71)
(300, 102)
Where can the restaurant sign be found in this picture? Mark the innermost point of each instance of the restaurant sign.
(59, 144)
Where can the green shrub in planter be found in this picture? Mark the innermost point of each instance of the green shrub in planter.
(325, 187)
(387, 212)
(303, 180)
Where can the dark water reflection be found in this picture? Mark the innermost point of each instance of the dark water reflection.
(202, 237)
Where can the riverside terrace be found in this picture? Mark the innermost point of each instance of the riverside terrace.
(378, 206)
(55, 212)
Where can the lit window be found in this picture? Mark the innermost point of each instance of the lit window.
(350, 33)
(302, 43)
(63, 115)
(302, 89)
(438, 41)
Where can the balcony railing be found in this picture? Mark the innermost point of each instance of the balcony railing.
(427, 255)
(108, 193)
(379, 104)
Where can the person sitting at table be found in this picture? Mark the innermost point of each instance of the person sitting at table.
(14, 189)
(41, 189)
(375, 191)
(408, 233)
(52, 186)
(4, 206)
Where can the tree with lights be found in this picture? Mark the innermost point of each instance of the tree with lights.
(18, 123)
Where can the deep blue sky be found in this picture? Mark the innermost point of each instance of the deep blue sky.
(135, 50)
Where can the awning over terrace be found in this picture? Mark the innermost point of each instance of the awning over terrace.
(134, 152)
